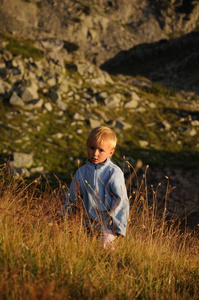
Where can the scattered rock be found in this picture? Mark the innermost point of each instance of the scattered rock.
(2, 88)
(15, 100)
(30, 93)
(135, 96)
(51, 81)
(94, 123)
(143, 144)
(122, 125)
(22, 160)
(195, 123)
(38, 169)
(113, 101)
(62, 105)
(166, 125)
(20, 172)
(58, 135)
(131, 104)
(34, 104)
(77, 116)
(192, 131)
(152, 105)
(48, 106)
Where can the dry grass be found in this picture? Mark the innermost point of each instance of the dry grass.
(44, 257)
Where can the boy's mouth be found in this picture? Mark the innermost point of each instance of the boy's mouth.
(94, 159)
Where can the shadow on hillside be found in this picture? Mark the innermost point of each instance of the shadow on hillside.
(183, 113)
(185, 160)
(174, 63)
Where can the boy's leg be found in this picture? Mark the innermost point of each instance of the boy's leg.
(108, 238)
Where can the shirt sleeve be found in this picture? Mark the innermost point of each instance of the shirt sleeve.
(119, 211)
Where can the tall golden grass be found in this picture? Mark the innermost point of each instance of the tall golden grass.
(45, 257)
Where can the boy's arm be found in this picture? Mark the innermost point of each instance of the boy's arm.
(119, 211)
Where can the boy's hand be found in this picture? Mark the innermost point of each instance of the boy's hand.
(108, 238)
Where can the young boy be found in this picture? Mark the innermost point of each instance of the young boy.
(101, 187)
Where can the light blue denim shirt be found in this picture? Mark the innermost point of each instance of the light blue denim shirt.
(103, 191)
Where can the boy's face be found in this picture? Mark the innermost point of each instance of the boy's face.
(99, 151)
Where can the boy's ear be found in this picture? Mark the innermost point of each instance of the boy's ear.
(111, 152)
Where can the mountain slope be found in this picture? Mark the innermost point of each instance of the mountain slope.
(100, 28)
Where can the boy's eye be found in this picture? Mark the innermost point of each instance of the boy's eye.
(101, 150)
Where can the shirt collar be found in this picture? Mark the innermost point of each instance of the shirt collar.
(97, 166)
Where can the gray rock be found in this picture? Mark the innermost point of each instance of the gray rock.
(166, 125)
(29, 93)
(112, 123)
(38, 169)
(94, 123)
(135, 96)
(51, 81)
(195, 123)
(123, 125)
(77, 116)
(52, 44)
(131, 104)
(102, 115)
(103, 95)
(20, 172)
(113, 101)
(62, 105)
(48, 106)
(22, 160)
(141, 109)
(34, 104)
(64, 86)
(79, 131)
(58, 135)
(152, 105)
(192, 132)
(15, 100)
(2, 65)
(92, 101)
(2, 88)
(143, 144)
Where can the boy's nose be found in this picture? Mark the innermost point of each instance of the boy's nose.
(95, 152)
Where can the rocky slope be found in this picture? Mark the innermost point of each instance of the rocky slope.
(52, 90)
(101, 28)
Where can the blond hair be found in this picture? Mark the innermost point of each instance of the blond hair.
(103, 133)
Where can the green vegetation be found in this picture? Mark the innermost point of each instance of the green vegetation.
(158, 89)
(22, 47)
(44, 256)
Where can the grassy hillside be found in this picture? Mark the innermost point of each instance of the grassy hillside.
(45, 257)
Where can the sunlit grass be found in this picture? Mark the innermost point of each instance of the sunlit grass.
(45, 257)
